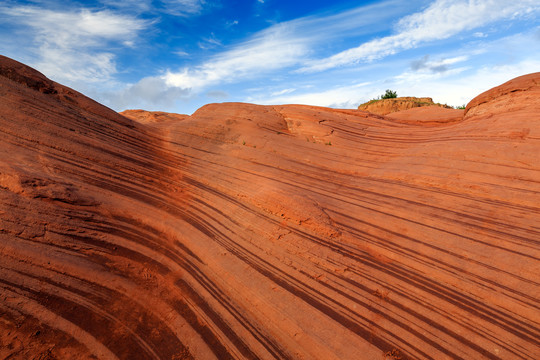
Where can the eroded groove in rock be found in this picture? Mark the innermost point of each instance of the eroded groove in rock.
(259, 232)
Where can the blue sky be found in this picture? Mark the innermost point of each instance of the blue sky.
(177, 55)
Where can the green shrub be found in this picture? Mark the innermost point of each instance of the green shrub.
(389, 94)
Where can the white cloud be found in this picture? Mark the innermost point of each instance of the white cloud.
(412, 77)
(456, 91)
(76, 46)
(72, 66)
(150, 92)
(269, 50)
(282, 92)
(182, 7)
(470, 70)
(129, 5)
(462, 89)
(479, 34)
(445, 88)
(173, 7)
(209, 42)
(441, 20)
(283, 45)
(339, 97)
(482, 67)
(71, 43)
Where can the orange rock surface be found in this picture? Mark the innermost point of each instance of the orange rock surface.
(260, 232)
(152, 116)
(427, 115)
(387, 106)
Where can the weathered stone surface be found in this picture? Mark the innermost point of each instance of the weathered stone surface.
(387, 106)
(248, 231)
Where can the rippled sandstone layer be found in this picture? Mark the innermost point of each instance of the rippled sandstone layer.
(247, 232)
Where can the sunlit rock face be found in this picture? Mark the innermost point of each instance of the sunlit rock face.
(260, 232)
(392, 105)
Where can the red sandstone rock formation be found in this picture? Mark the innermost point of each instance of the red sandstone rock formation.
(387, 106)
(246, 232)
(152, 116)
(427, 114)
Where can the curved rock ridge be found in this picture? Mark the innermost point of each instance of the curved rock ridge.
(508, 97)
(152, 116)
(266, 232)
(427, 115)
(25, 75)
(387, 106)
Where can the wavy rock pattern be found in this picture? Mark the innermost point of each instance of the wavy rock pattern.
(261, 232)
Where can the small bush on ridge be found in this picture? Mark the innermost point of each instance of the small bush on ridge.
(389, 94)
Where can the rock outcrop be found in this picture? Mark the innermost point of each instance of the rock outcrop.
(259, 232)
(143, 116)
(387, 106)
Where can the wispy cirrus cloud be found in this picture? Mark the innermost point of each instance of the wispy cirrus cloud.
(283, 45)
(182, 7)
(71, 45)
(282, 92)
(172, 7)
(135, 6)
(209, 42)
(269, 50)
(441, 20)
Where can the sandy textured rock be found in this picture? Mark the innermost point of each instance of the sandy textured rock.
(247, 232)
(387, 106)
(152, 116)
(427, 115)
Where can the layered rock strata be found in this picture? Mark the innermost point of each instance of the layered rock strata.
(261, 232)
